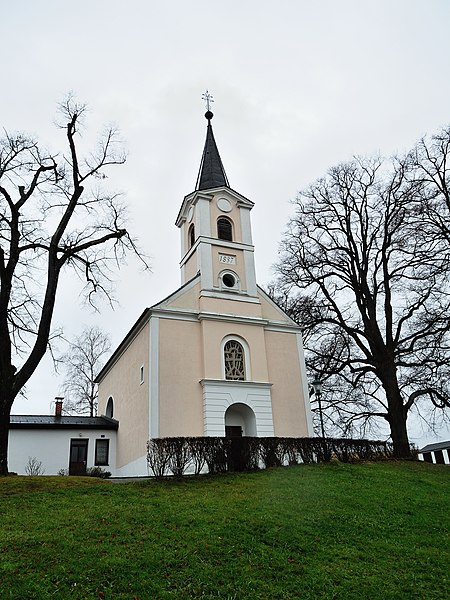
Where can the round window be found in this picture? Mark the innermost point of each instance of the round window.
(229, 280)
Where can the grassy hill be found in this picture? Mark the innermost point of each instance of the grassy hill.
(364, 531)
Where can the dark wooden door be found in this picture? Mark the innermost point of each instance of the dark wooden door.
(78, 457)
(439, 456)
(233, 431)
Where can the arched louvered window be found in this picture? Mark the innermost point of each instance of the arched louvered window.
(191, 235)
(224, 229)
(234, 361)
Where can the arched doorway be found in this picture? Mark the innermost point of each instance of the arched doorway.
(240, 421)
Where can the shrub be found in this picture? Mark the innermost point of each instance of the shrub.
(98, 472)
(216, 455)
(197, 454)
(157, 456)
(179, 456)
(271, 452)
(174, 455)
(242, 453)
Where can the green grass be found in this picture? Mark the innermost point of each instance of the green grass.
(364, 532)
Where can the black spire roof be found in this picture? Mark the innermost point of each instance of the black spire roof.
(211, 173)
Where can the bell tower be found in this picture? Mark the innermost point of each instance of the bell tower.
(214, 221)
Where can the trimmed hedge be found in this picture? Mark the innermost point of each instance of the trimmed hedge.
(178, 455)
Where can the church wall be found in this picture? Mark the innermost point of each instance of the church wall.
(191, 267)
(180, 370)
(187, 299)
(213, 334)
(272, 312)
(238, 267)
(130, 398)
(233, 215)
(288, 403)
(228, 306)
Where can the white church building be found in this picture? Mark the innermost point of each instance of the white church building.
(216, 358)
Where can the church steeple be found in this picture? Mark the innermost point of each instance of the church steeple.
(211, 173)
(216, 238)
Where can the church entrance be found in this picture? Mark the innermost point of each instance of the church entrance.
(232, 431)
(240, 421)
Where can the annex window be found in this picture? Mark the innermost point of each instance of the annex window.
(101, 453)
(224, 229)
(191, 235)
(234, 361)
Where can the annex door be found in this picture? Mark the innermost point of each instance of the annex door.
(78, 457)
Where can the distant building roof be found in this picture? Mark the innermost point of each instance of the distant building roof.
(433, 447)
(52, 422)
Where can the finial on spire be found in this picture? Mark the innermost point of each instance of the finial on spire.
(207, 97)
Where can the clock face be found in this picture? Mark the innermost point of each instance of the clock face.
(224, 205)
(190, 213)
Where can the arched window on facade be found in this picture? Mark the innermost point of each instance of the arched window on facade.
(110, 408)
(234, 359)
(191, 235)
(224, 229)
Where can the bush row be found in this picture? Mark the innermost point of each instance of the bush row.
(178, 455)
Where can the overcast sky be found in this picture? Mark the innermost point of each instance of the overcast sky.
(298, 87)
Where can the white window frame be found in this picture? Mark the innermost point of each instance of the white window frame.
(247, 363)
(97, 463)
(225, 288)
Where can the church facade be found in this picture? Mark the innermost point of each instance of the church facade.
(217, 357)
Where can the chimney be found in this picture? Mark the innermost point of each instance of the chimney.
(58, 406)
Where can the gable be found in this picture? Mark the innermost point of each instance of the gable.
(272, 312)
(185, 298)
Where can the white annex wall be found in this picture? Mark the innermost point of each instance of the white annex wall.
(52, 448)
(445, 454)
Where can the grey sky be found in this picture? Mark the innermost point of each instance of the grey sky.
(298, 86)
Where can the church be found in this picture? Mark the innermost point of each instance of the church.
(217, 357)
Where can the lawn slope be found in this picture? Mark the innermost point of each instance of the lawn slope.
(364, 531)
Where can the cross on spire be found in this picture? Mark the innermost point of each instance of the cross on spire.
(207, 97)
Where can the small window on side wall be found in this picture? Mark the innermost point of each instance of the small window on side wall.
(110, 408)
(101, 453)
(224, 229)
(141, 375)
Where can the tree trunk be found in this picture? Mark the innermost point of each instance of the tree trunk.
(397, 419)
(399, 435)
(5, 410)
(396, 412)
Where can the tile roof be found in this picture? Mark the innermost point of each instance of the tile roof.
(52, 422)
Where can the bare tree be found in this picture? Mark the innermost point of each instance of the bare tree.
(55, 214)
(429, 163)
(34, 467)
(363, 252)
(82, 362)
